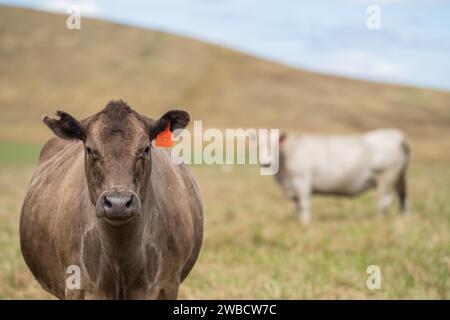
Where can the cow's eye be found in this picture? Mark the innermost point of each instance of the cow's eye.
(91, 154)
(146, 153)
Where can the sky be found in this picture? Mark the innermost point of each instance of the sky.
(412, 45)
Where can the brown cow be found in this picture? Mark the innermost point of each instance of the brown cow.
(104, 200)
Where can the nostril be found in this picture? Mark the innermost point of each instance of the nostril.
(108, 204)
(129, 202)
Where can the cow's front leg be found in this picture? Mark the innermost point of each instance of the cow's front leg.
(170, 291)
(303, 200)
(75, 295)
(304, 214)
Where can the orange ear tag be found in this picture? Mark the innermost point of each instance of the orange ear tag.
(164, 138)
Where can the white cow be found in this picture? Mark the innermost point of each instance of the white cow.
(343, 165)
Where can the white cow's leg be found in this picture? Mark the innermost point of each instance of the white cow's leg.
(386, 186)
(402, 192)
(306, 212)
(385, 192)
(298, 207)
(303, 205)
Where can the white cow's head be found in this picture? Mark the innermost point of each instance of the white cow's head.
(268, 151)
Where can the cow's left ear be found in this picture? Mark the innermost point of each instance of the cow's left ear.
(175, 119)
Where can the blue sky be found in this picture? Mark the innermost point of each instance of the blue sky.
(329, 36)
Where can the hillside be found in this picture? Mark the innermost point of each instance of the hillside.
(45, 67)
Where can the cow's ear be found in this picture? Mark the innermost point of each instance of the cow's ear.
(282, 137)
(66, 127)
(174, 119)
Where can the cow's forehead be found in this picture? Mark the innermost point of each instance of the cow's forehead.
(117, 127)
(124, 133)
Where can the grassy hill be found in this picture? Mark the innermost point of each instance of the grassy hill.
(252, 247)
(45, 66)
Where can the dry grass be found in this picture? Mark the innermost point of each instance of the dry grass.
(252, 247)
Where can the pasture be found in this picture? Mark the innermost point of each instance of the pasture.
(253, 248)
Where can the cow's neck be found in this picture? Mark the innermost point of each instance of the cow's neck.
(281, 173)
(121, 241)
(282, 176)
(122, 253)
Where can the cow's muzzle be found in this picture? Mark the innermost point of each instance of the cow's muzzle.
(118, 207)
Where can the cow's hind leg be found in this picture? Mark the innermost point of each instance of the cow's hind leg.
(385, 186)
(402, 193)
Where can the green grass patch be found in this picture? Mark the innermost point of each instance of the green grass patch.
(15, 153)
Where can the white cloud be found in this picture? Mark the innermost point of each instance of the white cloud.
(394, 2)
(357, 63)
(388, 69)
(87, 7)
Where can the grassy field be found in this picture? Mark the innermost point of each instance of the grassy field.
(252, 248)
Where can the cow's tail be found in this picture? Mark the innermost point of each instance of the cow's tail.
(401, 185)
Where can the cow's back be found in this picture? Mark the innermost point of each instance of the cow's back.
(342, 164)
(52, 147)
(57, 181)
